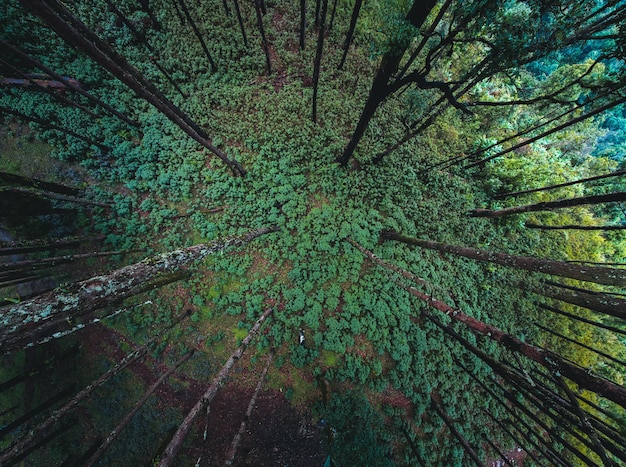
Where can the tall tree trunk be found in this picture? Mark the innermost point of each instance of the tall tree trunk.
(45, 244)
(30, 264)
(264, 43)
(332, 16)
(581, 319)
(302, 23)
(30, 320)
(552, 361)
(36, 434)
(619, 173)
(389, 66)
(608, 276)
(318, 58)
(549, 205)
(530, 225)
(129, 416)
(76, 33)
(457, 434)
(353, 20)
(145, 6)
(69, 84)
(39, 184)
(241, 25)
(38, 193)
(232, 452)
(198, 34)
(177, 441)
(226, 7)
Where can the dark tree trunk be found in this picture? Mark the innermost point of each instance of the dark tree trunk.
(302, 23)
(620, 173)
(226, 7)
(264, 43)
(379, 91)
(608, 276)
(20, 248)
(332, 16)
(180, 15)
(42, 194)
(69, 84)
(318, 59)
(177, 440)
(530, 225)
(457, 434)
(498, 451)
(549, 205)
(77, 34)
(583, 320)
(38, 184)
(241, 25)
(198, 34)
(318, 5)
(30, 264)
(51, 126)
(353, 20)
(552, 361)
(30, 320)
(145, 6)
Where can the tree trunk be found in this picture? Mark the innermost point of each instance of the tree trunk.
(198, 34)
(237, 439)
(580, 376)
(460, 438)
(264, 43)
(69, 84)
(379, 91)
(129, 416)
(177, 441)
(353, 20)
(318, 58)
(332, 16)
(21, 322)
(20, 248)
(608, 276)
(581, 319)
(530, 225)
(241, 25)
(549, 205)
(560, 185)
(77, 34)
(145, 6)
(30, 264)
(302, 23)
(38, 193)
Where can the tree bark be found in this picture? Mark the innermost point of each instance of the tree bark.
(353, 20)
(198, 34)
(19, 323)
(549, 205)
(241, 25)
(619, 173)
(318, 58)
(302, 23)
(177, 441)
(19, 248)
(264, 43)
(581, 319)
(30, 264)
(552, 361)
(608, 276)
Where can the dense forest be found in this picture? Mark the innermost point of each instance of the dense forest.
(339, 232)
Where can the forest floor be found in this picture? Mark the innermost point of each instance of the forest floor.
(276, 434)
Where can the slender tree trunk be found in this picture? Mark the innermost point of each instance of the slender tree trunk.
(581, 319)
(619, 173)
(51, 126)
(180, 15)
(38, 184)
(457, 434)
(226, 7)
(498, 451)
(198, 34)
(26, 321)
(302, 23)
(129, 416)
(318, 5)
(379, 91)
(552, 361)
(241, 25)
(318, 58)
(69, 84)
(77, 34)
(264, 43)
(353, 20)
(145, 6)
(332, 16)
(230, 458)
(549, 205)
(45, 244)
(38, 193)
(608, 276)
(530, 225)
(55, 261)
(33, 436)
(177, 441)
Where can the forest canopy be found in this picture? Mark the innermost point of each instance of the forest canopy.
(410, 215)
